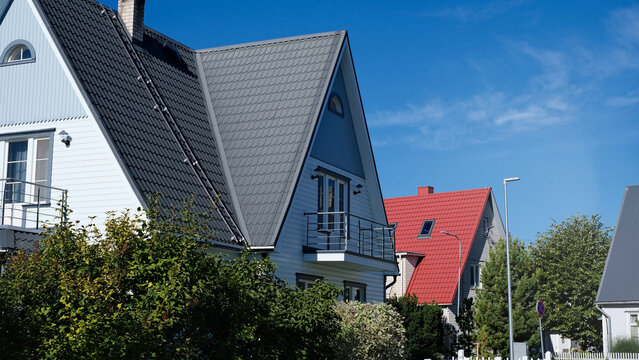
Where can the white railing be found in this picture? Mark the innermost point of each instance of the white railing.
(29, 205)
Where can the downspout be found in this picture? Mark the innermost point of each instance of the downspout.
(392, 282)
(608, 339)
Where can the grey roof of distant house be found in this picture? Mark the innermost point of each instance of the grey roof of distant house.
(619, 282)
(266, 97)
(124, 107)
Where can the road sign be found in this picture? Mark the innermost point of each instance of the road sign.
(541, 309)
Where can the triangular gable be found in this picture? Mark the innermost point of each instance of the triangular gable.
(335, 139)
(266, 97)
(620, 269)
(458, 212)
(30, 79)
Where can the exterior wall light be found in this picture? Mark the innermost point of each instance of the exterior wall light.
(65, 138)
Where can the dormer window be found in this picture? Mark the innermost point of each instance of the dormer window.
(18, 52)
(335, 105)
(427, 228)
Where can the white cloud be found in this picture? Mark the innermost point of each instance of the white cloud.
(567, 82)
(471, 13)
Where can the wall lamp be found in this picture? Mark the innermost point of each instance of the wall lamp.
(359, 189)
(65, 138)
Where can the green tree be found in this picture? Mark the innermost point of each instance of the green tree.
(491, 306)
(570, 257)
(370, 332)
(149, 288)
(466, 323)
(424, 327)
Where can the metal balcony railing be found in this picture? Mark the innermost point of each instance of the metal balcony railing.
(29, 205)
(347, 232)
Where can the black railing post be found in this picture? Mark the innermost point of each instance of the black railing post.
(38, 208)
(383, 243)
(4, 198)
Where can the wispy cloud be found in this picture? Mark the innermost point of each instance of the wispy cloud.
(470, 13)
(561, 84)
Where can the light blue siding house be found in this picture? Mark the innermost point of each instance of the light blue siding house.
(269, 138)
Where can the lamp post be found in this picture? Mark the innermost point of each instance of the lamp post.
(510, 305)
(458, 270)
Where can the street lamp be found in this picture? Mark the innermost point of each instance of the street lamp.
(458, 269)
(510, 305)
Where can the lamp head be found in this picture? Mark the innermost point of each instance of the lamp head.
(511, 179)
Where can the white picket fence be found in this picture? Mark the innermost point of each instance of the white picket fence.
(596, 356)
(570, 356)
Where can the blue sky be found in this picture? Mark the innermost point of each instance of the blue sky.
(460, 95)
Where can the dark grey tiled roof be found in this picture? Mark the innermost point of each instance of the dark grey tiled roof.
(124, 106)
(619, 282)
(266, 98)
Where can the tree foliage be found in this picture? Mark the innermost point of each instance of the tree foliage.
(466, 322)
(491, 306)
(370, 331)
(149, 288)
(424, 327)
(570, 258)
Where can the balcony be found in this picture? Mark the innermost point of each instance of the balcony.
(26, 208)
(349, 241)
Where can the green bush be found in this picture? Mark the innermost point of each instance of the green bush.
(147, 287)
(625, 346)
(424, 328)
(370, 331)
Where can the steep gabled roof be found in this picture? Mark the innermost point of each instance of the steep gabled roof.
(266, 98)
(458, 212)
(124, 107)
(618, 283)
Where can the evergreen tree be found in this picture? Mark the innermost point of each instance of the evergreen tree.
(424, 327)
(466, 323)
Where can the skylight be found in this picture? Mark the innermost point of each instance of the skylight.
(427, 228)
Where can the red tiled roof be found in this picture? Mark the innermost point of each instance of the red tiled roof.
(458, 212)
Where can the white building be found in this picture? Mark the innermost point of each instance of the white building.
(269, 138)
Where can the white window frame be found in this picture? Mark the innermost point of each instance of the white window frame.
(632, 324)
(331, 222)
(32, 141)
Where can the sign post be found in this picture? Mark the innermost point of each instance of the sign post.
(541, 310)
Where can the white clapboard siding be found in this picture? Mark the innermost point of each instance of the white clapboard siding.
(288, 252)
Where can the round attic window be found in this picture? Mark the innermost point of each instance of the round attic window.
(19, 52)
(335, 105)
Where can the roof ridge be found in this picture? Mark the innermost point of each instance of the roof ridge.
(270, 41)
(439, 193)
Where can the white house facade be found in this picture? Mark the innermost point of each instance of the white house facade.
(618, 295)
(269, 138)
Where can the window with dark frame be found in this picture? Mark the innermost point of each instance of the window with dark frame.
(474, 276)
(427, 228)
(306, 281)
(354, 291)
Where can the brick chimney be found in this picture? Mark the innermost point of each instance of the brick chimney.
(425, 190)
(132, 14)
